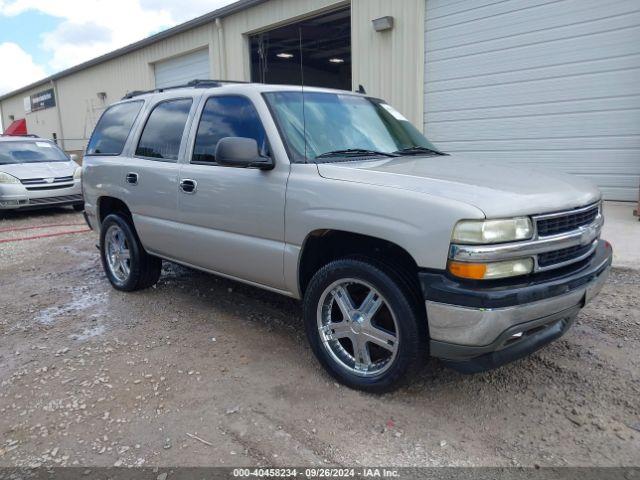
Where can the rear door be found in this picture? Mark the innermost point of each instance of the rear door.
(151, 174)
(107, 154)
(233, 218)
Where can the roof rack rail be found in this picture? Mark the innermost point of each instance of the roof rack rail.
(197, 83)
(136, 93)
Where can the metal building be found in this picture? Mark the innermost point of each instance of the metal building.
(540, 83)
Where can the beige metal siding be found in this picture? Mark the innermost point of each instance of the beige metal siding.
(42, 122)
(390, 64)
(80, 105)
(387, 63)
(228, 46)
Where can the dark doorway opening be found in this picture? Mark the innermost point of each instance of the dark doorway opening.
(325, 49)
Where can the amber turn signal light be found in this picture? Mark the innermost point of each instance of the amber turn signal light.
(475, 271)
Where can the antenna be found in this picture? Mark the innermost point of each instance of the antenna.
(304, 114)
(263, 51)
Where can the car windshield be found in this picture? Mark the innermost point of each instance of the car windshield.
(30, 152)
(342, 126)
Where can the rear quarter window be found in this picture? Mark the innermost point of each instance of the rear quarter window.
(112, 130)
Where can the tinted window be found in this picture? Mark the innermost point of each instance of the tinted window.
(30, 152)
(223, 117)
(113, 129)
(162, 134)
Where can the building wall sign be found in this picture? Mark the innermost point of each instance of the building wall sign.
(42, 100)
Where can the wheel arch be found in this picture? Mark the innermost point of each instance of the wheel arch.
(322, 246)
(107, 205)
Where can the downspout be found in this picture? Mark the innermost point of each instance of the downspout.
(221, 50)
(54, 85)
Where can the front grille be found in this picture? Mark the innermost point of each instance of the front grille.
(566, 223)
(61, 199)
(38, 181)
(49, 187)
(564, 255)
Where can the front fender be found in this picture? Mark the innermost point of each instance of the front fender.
(419, 223)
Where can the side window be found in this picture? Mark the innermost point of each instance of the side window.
(226, 116)
(112, 130)
(162, 134)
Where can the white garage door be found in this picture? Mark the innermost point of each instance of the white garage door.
(545, 83)
(181, 70)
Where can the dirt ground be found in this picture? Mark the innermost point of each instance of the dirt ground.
(201, 371)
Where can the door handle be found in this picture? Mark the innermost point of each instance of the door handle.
(132, 178)
(188, 186)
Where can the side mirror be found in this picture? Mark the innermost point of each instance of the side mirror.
(74, 158)
(241, 152)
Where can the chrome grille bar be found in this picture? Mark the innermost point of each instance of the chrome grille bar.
(580, 242)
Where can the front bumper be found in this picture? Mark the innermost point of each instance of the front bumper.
(17, 196)
(475, 328)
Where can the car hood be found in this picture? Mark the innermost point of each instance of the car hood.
(23, 171)
(497, 190)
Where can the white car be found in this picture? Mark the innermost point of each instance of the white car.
(35, 173)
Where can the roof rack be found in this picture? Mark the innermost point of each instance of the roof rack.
(198, 83)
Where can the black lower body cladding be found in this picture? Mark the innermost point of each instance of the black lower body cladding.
(510, 319)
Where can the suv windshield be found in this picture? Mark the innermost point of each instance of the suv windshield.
(30, 152)
(341, 126)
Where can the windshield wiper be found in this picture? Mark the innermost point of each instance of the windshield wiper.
(355, 152)
(417, 150)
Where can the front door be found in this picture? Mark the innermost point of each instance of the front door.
(233, 218)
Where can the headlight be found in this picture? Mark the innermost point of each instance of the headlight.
(491, 271)
(77, 175)
(6, 178)
(492, 231)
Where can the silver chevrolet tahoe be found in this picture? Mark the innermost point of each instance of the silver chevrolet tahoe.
(398, 250)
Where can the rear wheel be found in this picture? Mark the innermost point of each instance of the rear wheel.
(127, 265)
(362, 324)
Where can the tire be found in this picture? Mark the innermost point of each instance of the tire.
(127, 265)
(78, 207)
(346, 350)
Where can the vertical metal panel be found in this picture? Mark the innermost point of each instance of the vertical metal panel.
(538, 83)
(390, 64)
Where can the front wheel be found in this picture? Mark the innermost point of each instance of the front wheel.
(363, 325)
(127, 265)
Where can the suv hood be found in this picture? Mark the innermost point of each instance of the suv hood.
(497, 190)
(23, 171)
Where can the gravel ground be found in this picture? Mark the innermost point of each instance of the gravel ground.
(201, 371)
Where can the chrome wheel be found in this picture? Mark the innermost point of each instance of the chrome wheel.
(357, 327)
(117, 253)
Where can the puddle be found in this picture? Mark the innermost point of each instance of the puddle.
(80, 301)
(89, 333)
